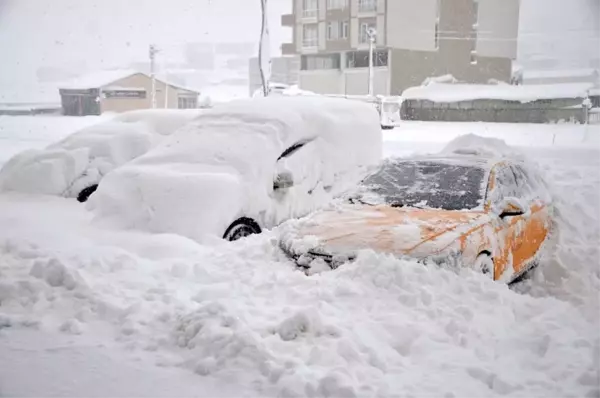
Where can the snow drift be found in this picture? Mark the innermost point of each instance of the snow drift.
(83, 158)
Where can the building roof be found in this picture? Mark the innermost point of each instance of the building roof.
(438, 92)
(106, 77)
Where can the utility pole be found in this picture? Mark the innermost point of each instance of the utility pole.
(372, 33)
(264, 54)
(152, 52)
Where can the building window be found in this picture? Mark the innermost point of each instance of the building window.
(187, 102)
(310, 8)
(364, 29)
(367, 5)
(315, 62)
(337, 4)
(333, 30)
(473, 57)
(310, 35)
(360, 59)
(337, 30)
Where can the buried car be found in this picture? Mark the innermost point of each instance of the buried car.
(74, 166)
(244, 166)
(456, 209)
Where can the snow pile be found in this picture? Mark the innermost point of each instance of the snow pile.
(448, 79)
(88, 304)
(443, 92)
(472, 144)
(81, 159)
(223, 166)
(240, 316)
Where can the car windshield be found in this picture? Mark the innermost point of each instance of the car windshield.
(424, 184)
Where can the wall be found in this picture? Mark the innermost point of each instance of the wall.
(322, 81)
(498, 28)
(411, 68)
(493, 111)
(411, 24)
(141, 81)
(357, 81)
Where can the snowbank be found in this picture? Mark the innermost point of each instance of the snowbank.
(223, 165)
(87, 305)
(81, 159)
(472, 144)
(439, 92)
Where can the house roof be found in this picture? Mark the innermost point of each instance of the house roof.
(440, 92)
(106, 77)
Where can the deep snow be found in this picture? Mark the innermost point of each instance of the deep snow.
(77, 301)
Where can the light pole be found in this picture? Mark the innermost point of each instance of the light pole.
(264, 54)
(152, 52)
(372, 34)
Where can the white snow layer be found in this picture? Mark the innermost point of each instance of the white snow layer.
(222, 166)
(442, 92)
(88, 311)
(81, 159)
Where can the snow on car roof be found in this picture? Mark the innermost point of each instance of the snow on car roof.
(439, 92)
(278, 121)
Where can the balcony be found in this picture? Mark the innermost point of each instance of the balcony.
(288, 20)
(288, 49)
(310, 13)
(367, 6)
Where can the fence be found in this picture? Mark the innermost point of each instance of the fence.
(494, 111)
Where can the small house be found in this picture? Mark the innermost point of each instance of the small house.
(122, 91)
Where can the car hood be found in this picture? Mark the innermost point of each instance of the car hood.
(418, 232)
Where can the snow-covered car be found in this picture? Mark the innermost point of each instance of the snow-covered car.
(243, 167)
(74, 166)
(459, 209)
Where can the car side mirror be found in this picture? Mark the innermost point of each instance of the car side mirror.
(283, 180)
(510, 207)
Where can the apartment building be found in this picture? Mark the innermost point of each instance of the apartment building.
(474, 40)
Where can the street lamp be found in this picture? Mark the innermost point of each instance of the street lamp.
(264, 54)
(372, 34)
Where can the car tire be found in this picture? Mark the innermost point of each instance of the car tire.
(85, 193)
(241, 228)
(485, 264)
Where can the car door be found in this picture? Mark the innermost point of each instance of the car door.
(537, 220)
(297, 185)
(510, 228)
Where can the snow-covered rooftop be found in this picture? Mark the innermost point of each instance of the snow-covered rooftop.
(439, 92)
(98, 79)
(106, 77)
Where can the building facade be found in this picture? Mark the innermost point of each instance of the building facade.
(473, 40)
(121, 91)
(284, 70)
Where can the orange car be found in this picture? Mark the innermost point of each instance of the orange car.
(462, 210)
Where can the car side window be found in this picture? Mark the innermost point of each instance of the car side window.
(523, 183)
(505, 184)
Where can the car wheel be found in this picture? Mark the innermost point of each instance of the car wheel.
(86, 193)
(485, 264)
(241, 228)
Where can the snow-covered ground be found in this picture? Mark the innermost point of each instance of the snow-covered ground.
(86, 311)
